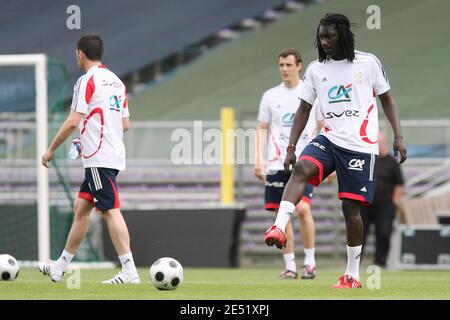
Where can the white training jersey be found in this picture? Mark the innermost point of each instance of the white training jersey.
(346, 92)
(101, 96)
(277, 108)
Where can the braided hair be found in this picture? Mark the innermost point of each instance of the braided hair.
(346, 36)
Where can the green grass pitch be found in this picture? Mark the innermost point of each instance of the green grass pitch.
(236, 284)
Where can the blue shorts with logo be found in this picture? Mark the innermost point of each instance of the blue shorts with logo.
(356, 171)
(274, 188)
(100, 188)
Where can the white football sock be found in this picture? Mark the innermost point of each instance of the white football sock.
(127, 263)
(309, 257)
(284, 214)
(353, 260)
(289, 261)
(63, 262)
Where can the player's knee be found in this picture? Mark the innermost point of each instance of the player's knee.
(351, 208)
(77, 207)
(300, 172)
(79, 215)
(107, 214)
(303, 213)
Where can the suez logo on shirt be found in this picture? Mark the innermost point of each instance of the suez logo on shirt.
(356, 164)
(340, 93)
(347, 113)
(112, 84)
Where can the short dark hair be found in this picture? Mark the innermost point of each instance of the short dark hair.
(346, 36)
(92, 46)
(290, 52)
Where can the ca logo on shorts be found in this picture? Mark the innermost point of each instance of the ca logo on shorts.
(318, 145)
(356, 164)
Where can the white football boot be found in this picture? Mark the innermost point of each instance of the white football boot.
(48, 269)
(122, 277)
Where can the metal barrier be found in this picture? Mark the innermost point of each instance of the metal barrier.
(157, 142)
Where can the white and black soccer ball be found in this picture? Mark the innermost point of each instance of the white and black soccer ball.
(166, 273)
(9, 267)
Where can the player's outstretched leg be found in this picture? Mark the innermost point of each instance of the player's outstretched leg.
(80, 226)
(295, 188)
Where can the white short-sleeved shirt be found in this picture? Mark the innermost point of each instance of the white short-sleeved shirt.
(101, 96)
(277, 108)
(346, 93)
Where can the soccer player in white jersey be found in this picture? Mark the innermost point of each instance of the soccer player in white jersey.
(346, 83)
(99, 108)
(276, 112)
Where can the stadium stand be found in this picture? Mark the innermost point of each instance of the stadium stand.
(149, 31)
(237, 73)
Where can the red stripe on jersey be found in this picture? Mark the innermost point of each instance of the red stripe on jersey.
(102, 123)
(102, 66)
(277, 148)
(125, 103)
(90, 88)
(363, 128)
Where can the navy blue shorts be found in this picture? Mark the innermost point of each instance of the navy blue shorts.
(100, 188)
(273, 191)
(356, 171)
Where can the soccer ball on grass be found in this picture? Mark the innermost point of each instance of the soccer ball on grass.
(9, 268)
(166, 273)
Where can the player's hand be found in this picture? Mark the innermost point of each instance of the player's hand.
(47, 157)
(400, 151)
(290, 161)
(77, 141)
(259, 170)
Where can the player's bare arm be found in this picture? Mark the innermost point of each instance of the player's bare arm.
(320, 124)
(300, 120)
(261, 138)
(64, 132)
(126, 123)
(390, 109)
